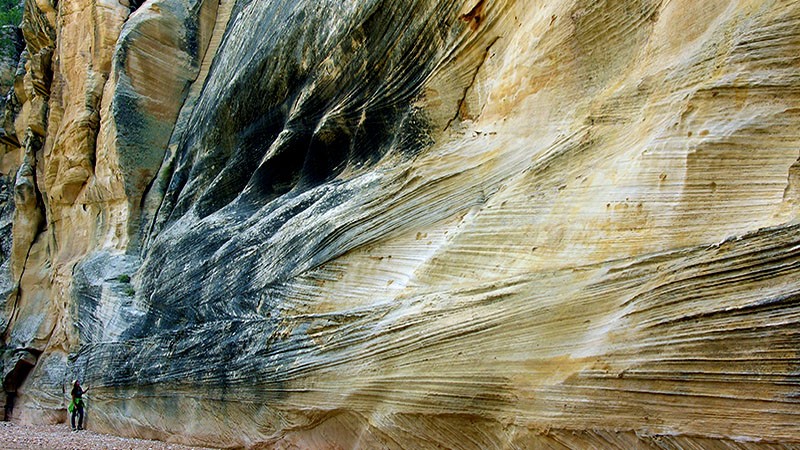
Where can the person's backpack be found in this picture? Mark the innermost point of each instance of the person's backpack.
(74, 404)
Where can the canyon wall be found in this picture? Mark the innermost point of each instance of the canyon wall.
(406, 223)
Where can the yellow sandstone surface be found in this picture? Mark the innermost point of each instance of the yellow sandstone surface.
(598, 247)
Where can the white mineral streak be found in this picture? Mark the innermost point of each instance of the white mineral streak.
(600, 249)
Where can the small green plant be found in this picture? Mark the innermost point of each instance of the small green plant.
(125, 278)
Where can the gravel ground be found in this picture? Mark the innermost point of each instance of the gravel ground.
(59, 437)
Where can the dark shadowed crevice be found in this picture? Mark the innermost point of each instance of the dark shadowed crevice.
(19, 364)
(133, 5)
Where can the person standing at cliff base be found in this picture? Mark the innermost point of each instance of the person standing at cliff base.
(76, 405)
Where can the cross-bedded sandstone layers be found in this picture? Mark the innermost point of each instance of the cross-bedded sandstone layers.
(93, 140)
(404, 224)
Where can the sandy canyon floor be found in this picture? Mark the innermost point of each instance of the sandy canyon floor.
(20, 437)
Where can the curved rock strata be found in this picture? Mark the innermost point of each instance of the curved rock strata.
(403, 224)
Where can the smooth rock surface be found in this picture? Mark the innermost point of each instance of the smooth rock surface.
(403, 224)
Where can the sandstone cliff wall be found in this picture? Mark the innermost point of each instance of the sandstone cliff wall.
(403, 224)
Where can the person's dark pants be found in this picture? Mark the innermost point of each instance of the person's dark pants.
(78, 411)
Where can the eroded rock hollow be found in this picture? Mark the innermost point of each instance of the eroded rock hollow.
(406, 223)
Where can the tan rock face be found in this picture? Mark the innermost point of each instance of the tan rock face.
(482, 224)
